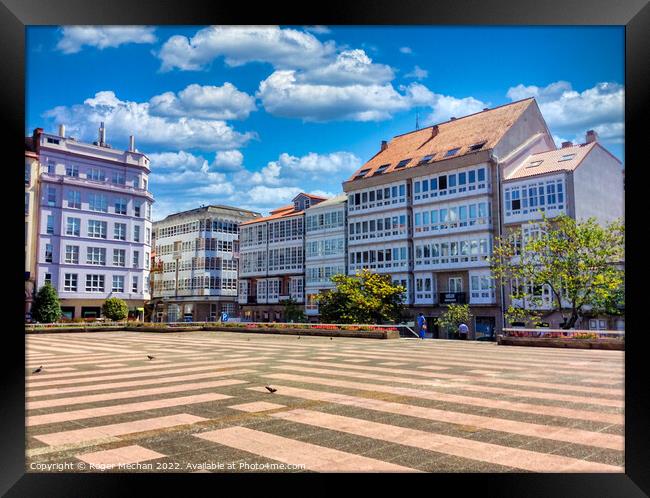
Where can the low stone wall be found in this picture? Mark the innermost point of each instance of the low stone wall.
(363, 334)
(67, 330)
(613, 344)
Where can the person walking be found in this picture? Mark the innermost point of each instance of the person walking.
(422, 325)
(462, 331)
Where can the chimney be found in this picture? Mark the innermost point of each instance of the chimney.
(567, 144)
(453, 118)
(486, 108)
(36, 139)
(102, 135)
(384, 145)
(62, 130)
(131, 143)
(434, 130)
(592, 136)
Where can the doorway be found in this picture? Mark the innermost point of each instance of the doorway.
(484, 326)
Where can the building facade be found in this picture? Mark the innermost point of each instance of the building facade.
(272, 266)
(425, 210)
(94, 223)
(196, 263)
(578, 180)
(31, 216)
(325, 249)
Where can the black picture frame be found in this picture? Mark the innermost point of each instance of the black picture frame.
(15, 15)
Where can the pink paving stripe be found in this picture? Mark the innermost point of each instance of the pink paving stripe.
(313, 457)
(441, 375)
(113, 430)
(104, 411)
(93, 398)
(59, 369)
(114, 385)
(460, 447)
(125, 455)
(115, 365)
(391, 364)
(151, 371)
(616, 403)
(575, 436)
(256, 406)
(555, 411)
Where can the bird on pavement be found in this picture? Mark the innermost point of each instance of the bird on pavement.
(331, 338)
(298, 337)
(38, 370)
(150, 357)
(270, 389)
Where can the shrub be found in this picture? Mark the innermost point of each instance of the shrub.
(115, 309)
(46, 307)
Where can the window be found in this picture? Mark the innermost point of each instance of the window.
(148, 206)
(72, 254)
(381, 169)
(426, 159)
(50, 224)
(96, 174)
(535, 164)
(119, 232)
(481, 175)
(96, 256)
(119, 257)
(136, 233)
(136, 209)
(47, 279)
(118, 283)
(134, 284)
(566, 157)
(442, 183)
(452, 152)
(477, 146)
(118, 178)
(455, 284)
(144, 184)
(28, 174)
(51, 196)
(71, 170)
(94, 283)
(74, 199)
(403, 163)
(146, 260)
(97, 202)
(70, 282)
(361, 174)
(48, 253)
(26, 202)
(73, 226)
(53, 141)
(97, 229)
(120, 206)
(136, 259)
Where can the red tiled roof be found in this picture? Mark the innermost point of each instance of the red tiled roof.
(550, 161)
(486, 127)
(283, 211)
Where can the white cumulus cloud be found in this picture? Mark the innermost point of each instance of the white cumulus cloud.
(228, 160)
(418, 73)
(206, 102)
(75, 37)
(242, 44)
(124, 118)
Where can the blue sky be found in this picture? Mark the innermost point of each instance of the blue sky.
(250, 116)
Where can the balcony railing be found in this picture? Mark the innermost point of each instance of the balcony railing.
(106, 184)
(452, 297)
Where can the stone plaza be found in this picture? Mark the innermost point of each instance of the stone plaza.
(99, 404)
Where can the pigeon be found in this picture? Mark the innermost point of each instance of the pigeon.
(298, 337)
(270, 389)
(150, 357)
(38, 369)
(331, 338)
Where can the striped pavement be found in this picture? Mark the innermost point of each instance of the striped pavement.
(343, 405)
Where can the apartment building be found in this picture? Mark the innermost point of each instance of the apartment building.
(272, 266)
(94, 223)
(325, 249)
(425, 209)
(31, 216)
(578, 180)
(196, 263)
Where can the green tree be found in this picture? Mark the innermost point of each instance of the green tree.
(366, 297)
(115, 309)
(46, 307)
(293, 312)
(454, 315)
(578, 265)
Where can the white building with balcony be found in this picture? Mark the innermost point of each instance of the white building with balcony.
(577, 180)
(425, 209)
(272, 262)
(325, 249)
(196, 263)
(94, 223)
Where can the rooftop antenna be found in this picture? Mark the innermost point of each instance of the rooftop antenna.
(417, 120)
